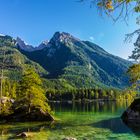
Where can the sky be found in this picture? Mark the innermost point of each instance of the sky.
(37, 20)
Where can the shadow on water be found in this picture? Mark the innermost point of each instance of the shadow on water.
(134, 127)
(116, 125)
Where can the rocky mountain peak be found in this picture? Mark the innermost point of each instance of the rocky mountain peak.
(23, 45)
(60, 38)
(43, 45)
(57, 40)
(63, 35)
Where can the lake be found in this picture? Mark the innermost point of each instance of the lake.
(85, 121)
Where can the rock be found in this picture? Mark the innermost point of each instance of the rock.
(25, 135)
(4, 100)
(21, 115)
(69, 138)
(132, 114)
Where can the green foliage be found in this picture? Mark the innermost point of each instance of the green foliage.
(6, 41)
(27, 94)
(134, 70)
(89, 94)
(6, 109)
(9, 95)
(121, 7)
(14, 61)
(134, 73)
(112, 4)
(137, 9)
(9, 88)
(81, 64)
(30, 92)
(136, 52)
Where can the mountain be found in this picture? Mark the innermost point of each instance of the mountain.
(21, 45)
(41, 46)
(80, 63)
(14, 61)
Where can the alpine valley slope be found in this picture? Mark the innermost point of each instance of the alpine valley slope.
(13, 61)
(77, 63)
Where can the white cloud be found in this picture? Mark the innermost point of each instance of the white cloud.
(92, 38)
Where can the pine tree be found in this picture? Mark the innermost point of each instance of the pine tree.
(134, 73)
(134, 70)
(136, 52)
(30, 92)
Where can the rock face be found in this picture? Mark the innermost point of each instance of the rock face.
(24, 46)
(132, 114)
(41, 46)
(20, 44)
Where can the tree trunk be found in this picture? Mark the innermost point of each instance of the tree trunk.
(29, 109)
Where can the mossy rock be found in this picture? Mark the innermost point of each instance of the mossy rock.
(21, 115)
(132, 114)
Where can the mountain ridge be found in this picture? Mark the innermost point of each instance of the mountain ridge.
(72, 61)
(70, 58)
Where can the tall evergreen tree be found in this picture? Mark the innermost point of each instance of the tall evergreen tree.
(136, 52)
(134, 70)
(30, 92)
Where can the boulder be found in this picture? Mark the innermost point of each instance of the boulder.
(69, 138)
(132, 114)
(22, 115)
(25, 135)
(4, 100)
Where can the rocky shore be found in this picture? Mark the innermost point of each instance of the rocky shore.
(132, 114)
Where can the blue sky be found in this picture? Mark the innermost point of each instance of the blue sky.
(37, 20)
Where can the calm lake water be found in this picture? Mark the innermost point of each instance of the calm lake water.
(89, 121)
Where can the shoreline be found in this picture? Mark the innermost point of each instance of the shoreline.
(86, 101)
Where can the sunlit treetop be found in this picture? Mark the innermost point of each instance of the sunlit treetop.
(116, 9)
(113, 4)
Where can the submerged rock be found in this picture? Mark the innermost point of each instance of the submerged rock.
(132, 114)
